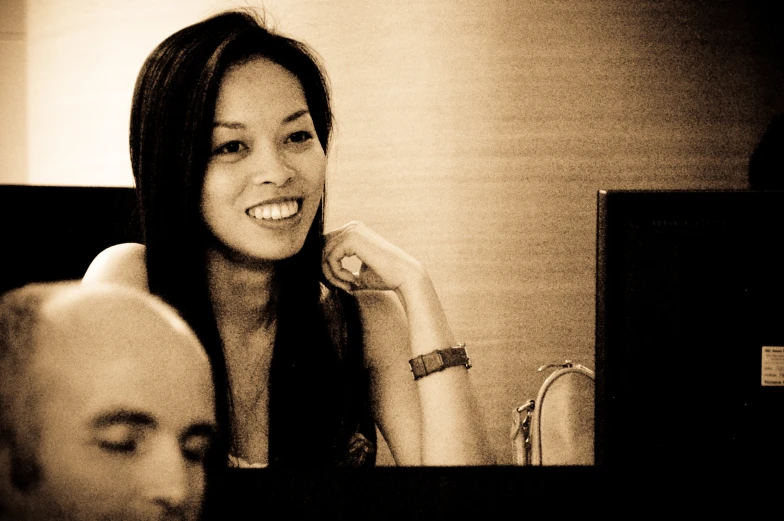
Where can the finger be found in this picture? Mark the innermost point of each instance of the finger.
(333, 263)
(357, 242)
(344, 276)
(351, 225)
(333, 280)
(352, 241)
(335, 235)
(353, 236)
(341, 238)
(331, 276)
(334, 260)
(338, 248)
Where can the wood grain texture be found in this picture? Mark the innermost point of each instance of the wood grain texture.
(13, 168)
(480, 144)
(475, 135)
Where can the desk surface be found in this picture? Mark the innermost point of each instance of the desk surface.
(428, 493)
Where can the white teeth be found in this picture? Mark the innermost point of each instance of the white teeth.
(275, 211)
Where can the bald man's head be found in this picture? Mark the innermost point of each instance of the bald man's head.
(108, 402)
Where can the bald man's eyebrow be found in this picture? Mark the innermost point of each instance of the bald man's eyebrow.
(123, 417)
(201, 429)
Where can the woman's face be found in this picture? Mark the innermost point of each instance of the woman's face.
(265, 176)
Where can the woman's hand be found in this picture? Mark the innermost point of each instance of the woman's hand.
(384, 266)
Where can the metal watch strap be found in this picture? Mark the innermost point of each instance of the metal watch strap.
(439, 360)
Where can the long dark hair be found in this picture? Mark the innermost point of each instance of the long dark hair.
(170, 136)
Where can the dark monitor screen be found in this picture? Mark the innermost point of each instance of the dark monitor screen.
(689, 327)
(52, 233)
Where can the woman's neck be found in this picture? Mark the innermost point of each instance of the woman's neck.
(244, 300)
(243, 295)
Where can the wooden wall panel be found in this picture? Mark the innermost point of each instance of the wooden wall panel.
(13, 168)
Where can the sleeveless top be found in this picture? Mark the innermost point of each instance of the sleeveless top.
(351, 432)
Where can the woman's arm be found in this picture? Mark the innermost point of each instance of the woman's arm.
(394, 393)
(120, 264)
(435, 420)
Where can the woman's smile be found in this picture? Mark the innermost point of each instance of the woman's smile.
(275, 210)
(278, 213)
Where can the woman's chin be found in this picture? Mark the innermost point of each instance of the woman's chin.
(257, 257)
(275, 252)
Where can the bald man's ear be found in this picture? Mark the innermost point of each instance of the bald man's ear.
(8, 493)
(19, 468)
(16, 481)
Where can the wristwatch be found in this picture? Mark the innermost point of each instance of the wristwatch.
(439, 360)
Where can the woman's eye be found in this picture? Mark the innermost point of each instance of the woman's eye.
(300, 137)
(232, 147)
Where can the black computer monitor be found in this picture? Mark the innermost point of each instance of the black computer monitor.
(689, 327)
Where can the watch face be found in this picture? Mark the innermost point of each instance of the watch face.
(433, 362)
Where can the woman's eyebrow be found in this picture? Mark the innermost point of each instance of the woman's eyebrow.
(123, 417)
(296, 115)
(236, 125)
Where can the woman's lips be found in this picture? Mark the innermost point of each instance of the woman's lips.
(275, 211)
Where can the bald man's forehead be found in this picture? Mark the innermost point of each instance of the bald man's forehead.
(135, 344)
(83, 341)
(113, 357)
(115, 317)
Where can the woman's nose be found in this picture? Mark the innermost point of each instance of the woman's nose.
(270, 166)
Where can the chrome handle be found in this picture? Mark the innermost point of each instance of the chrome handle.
(567, 363)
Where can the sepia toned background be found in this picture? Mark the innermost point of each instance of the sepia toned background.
(473, 134)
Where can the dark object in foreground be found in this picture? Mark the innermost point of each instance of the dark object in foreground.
(690, 294)
(51, 233)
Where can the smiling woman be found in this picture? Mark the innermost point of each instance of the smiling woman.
(229, 131)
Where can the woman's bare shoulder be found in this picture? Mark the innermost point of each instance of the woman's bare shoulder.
(122, 264)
